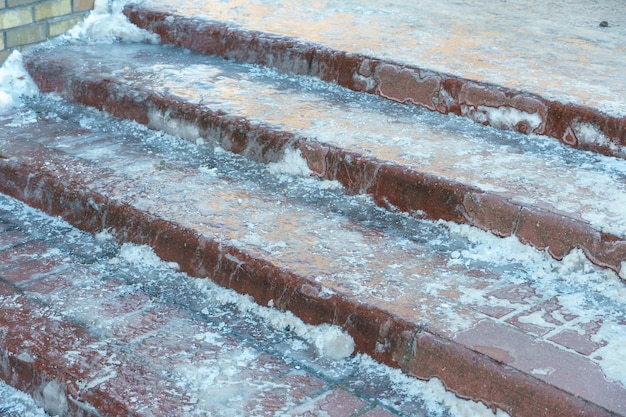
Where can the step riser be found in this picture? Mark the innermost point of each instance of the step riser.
(434, 91)
(391, 186)
(39, 179)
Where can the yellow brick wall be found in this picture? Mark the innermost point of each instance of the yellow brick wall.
(28, 22)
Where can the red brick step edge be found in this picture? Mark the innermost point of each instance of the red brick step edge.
(391, 185)
(435, 91)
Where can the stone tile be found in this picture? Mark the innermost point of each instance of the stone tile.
(542, 318)
(379, 388)
(515, 294)
(580, 338)
(378, 412)
(559, 368)
(6, 289)
(334, 403)
(24, 253)
(292, 389)
(48, 285)
(143, 323)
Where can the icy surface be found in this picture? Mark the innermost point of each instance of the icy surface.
(236, 328)
(555, 48)
(345, 243)
(528, 169)
(14, 403)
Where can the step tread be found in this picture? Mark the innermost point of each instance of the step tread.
(491, 43)
(440, 280)
(519, 172)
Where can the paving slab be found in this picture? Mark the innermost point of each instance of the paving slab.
(428, 165)
(428, 298)
(552, 68)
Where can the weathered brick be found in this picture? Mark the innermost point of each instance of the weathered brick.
(15, 17)
(61, 26)
(55, 9)
(83, 5)
(17, 3)
(26, 35)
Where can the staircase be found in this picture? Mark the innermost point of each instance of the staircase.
(454, 227)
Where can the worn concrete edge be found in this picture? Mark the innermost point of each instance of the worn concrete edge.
(432, 90)
(40, 178)
(391, 186)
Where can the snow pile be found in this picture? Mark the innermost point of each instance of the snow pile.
(138, 255)
(106, 24)
(330, 341)
(436, 398)
(14, 82)
(292, 163)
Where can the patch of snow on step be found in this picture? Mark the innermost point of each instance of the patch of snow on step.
(16, 403)
(106, 24)
(292, 163)
(330, 341)
(15, 82)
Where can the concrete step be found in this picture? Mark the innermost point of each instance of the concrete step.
(511, 75)
(428, 165)
(494, 320)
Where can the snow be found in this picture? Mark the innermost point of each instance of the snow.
(15, 82)
(107, 24)
(292, 163)
(330, 341)
(15, 403)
